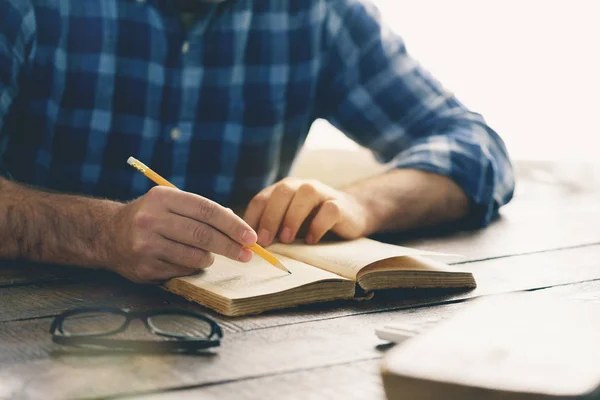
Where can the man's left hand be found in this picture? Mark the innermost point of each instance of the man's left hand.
(281, 209)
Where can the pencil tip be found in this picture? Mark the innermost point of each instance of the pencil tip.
(282, 267)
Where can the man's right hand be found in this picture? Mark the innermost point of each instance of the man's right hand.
(169, 232)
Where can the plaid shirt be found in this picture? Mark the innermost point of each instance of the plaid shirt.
(222, 109)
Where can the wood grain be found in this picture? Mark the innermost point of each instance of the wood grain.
(52, 298)
(541, 217)
(36, 368)
(14, 273)
(355, 380)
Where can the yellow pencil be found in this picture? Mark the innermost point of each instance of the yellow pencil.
(159, 180)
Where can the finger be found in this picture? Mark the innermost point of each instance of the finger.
(305, 200)
(274, 212)
(196, 234)
(257, 206)
(158, 271)
(327, 217)
(206, 211)
(183, 255)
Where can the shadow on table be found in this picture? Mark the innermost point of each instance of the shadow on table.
(436, 232)
(387, 299)
(112, 352)
(85, 358)
(384, 347)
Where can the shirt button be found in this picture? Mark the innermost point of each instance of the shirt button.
(185, 47)
(175, 133)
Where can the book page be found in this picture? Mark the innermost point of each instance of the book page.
(346, 258)
(235, 280)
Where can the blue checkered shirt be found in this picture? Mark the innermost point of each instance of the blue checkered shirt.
(222, 109)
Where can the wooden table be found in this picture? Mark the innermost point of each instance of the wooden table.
(546, 241)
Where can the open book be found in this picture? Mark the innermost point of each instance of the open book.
(324, 272)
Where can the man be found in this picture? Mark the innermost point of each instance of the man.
(219, 98)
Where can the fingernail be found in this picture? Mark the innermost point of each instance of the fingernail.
(248, 237)
(286, 235)
(310, 239)
(264, 237)
(245, 255)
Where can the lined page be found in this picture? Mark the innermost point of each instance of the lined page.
(235, 280)
(346, 258)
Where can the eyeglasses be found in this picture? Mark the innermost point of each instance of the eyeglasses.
(180, 330)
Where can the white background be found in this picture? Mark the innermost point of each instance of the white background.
(531, 67)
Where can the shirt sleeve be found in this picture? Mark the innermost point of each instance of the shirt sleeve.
(374, 92)
(16, 43)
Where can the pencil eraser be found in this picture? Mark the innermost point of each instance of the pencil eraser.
(131, 161)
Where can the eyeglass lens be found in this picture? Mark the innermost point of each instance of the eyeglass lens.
(93, 323)
(180, 325)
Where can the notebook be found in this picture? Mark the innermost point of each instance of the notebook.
(518, 346)
(320, 273)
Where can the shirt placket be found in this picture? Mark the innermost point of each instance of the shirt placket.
(191, 74)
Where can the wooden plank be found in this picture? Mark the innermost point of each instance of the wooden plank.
(532, 223)
(417, 320)
(32, 367)
(355, 380)
(14, 273)
(584, 291)
(52, 298)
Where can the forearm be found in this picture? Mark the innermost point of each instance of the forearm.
(54, 228)
(404, 199)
